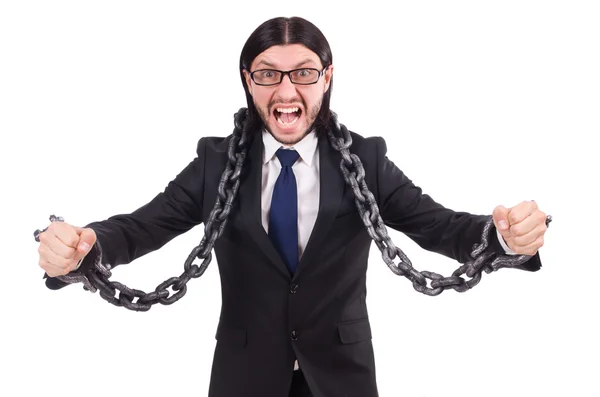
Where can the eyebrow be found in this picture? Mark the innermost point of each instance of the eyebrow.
(269, 64)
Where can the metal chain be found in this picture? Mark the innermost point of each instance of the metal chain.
(354, 175)
(97, 278)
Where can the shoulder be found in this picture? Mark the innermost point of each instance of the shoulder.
(369, 149)
(213, 145)
(367, 146)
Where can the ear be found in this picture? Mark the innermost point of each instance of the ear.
(328, 76)
(248, 80)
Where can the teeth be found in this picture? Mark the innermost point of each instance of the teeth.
(287, 110)
(286, 124)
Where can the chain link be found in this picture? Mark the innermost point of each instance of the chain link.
(354, 175)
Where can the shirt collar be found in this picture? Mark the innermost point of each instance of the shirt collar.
(306, 147)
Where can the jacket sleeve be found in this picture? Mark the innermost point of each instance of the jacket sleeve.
(124, 237)
(405, 208)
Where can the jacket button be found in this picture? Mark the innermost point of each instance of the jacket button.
(293, 288)
(294, 335)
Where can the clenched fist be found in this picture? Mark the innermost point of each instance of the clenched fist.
(522, 227)
(62, 246)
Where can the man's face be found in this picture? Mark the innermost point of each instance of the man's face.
(288, 110)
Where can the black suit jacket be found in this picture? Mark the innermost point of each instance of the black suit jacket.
(269, 317)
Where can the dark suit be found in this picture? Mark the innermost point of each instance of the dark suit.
(319, 315)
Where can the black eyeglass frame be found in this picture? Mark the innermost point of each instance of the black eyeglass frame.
(288, 72)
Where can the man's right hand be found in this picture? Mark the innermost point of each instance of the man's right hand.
(62, 246)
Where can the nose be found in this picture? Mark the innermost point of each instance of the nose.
(286, 88)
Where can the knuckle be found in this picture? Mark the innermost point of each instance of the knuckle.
(512, 217)
(43, 237)
(53, 227)
(516, 230)
(73, 241)
(71, 252)
(64, 263)
(519, 241)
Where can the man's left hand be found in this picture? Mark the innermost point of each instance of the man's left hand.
(522, 227)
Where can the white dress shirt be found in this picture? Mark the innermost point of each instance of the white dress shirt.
(306, 171)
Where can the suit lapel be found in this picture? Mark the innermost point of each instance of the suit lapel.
(331, 187)
(250, 204)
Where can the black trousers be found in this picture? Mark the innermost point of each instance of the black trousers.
(299, 386)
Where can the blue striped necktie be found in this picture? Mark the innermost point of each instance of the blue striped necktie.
(283, 218)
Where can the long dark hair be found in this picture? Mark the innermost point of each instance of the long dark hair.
(280, 31)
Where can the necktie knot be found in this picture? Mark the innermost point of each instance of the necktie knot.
(287, 157)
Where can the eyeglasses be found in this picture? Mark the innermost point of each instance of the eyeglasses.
(304, 76)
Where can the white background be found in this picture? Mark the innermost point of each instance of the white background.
(481, 103)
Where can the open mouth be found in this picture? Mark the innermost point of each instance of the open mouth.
(287, 116)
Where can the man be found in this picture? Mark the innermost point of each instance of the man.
(293, 255)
